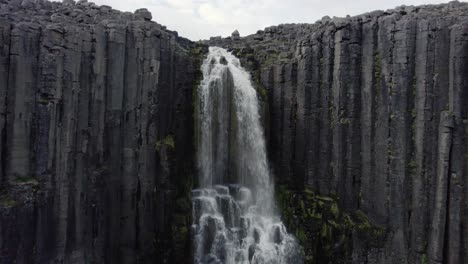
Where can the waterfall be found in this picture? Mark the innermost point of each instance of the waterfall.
(234, 216)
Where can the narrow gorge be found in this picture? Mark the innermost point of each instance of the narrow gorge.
(342, 141)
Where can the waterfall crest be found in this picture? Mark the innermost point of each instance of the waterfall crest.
(234, 216)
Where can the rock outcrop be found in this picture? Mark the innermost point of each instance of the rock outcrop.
(95, 125)
(373, 110)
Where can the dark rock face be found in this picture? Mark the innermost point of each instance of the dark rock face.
(96, 130)
(373, 109)
(95, 113)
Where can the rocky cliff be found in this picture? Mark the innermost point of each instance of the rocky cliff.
(366, 120)
(95, 127)
(373, 111)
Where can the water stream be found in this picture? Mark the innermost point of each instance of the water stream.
(234, 214)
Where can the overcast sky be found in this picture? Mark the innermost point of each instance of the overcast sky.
(200, 19)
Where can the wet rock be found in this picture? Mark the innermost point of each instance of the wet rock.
(221, 189)
(211, 259)
(234, 189)
(277, 234)
(223, 61)
(244, 226)
(256, 235)
(252, 250)
(197, 193)
(209, 229)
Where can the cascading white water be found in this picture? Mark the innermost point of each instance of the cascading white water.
(235, 220)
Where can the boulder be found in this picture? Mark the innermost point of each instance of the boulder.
(144, 14)
(235, 35)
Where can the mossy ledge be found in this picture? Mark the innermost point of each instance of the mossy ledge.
(6, 201)
(168, 141)
(323, 229)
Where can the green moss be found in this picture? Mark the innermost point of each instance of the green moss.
(179, 236)
(334, 210)
(6, 201)
(180, 219)
(424, 259)
(373, 235)
(168, 141)
(26, 181)
(390, 152)
(345, 121)
(197, 51)
(411, 167)
(262, 91)
(271, 58)
(300, 235)
(324, 198)
(324, 231)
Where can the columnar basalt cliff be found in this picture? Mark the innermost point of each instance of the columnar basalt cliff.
(373, 110)
(95, 124)
(365, 119)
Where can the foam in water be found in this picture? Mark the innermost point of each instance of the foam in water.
(235, 220)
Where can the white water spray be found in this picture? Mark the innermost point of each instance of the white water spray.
(235, 220)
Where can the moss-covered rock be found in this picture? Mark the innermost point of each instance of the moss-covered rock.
(26, 181)
(168, 141)
(6, 201)
(323, 229)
